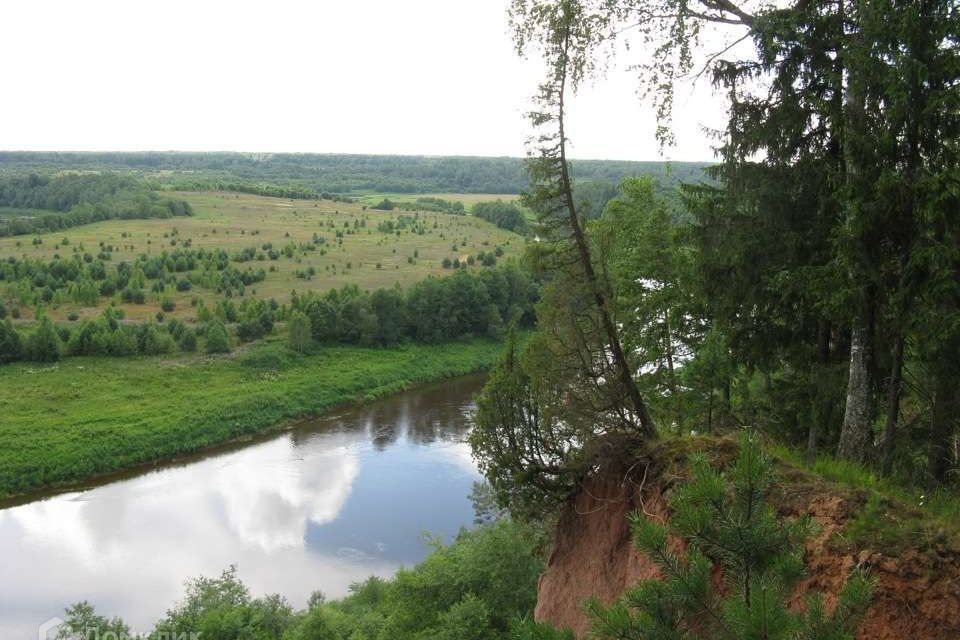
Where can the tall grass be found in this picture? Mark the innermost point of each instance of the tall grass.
(895, 514)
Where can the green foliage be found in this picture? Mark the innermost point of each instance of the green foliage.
(11, 345)
(82, 622)
(302, 175)
(431, 311)
(520, 446)
(217, 338)
(503, 214)
(188, 341)
(527, 629)
(71, 199)
(384, 205)
(299, 333)
(726, 519)
(107, 336)
(44, 344)
(222, 609)
(652, 275)
(476, 588)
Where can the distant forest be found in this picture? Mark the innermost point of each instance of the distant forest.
(343, 173)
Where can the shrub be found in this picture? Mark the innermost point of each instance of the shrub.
(188, 341)
(299, 332)
(134, 295)
(11, 346)
(218, 341)
(168, 305)
(155, 341)
(44, 344)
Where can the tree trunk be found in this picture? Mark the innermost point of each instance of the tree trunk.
(893, 403)
(647, 426)
(858, 414)
(672, 379)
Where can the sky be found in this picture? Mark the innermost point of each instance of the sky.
(423, 77)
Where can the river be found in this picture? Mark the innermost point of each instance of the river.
(327, 503)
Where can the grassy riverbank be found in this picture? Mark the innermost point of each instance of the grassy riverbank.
(88, 416)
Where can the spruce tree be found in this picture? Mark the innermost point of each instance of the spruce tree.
(727, 520)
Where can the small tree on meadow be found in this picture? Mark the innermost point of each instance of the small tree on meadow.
(300, 333)
(218, 341)
(188, 341)
(44, 344)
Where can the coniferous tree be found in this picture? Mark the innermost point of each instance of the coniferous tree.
(728, 521)
(589, 346)
(11, 346)
(44, 344)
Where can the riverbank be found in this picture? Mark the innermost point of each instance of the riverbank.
(86, 417)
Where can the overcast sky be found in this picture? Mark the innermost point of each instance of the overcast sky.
(436, 77)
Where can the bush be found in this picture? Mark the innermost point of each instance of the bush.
(299, 332)
(188, 341)
(155, 341)
(168, 305)
(134, 295)
(44, 344)
(218, 341)
(11, 346)
(479, 587)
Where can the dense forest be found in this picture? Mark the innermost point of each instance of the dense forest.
(340, 173)
(36, 203)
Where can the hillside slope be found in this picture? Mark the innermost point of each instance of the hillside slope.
(917, 571)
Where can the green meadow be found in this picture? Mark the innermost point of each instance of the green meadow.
(88, 416)
(357, 248)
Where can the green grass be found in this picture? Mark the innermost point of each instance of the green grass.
(894, 515)
(232, 222)
(88, 416)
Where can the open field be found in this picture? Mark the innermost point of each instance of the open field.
(89, 416)
(331, 244)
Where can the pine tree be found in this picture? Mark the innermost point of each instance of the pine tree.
(727, 520)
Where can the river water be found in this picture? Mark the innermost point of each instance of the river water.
(327, 503)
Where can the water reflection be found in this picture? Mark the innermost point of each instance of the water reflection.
(319, 507)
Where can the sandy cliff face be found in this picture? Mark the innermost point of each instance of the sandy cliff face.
(917, 594)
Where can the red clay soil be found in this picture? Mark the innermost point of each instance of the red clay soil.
(917, 595)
